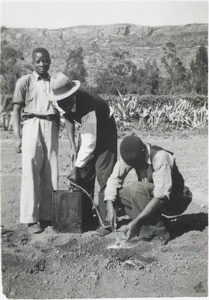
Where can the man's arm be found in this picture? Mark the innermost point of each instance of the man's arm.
(115, 182)
(18, 103)
(151, 207)
(111, 214)
(162, 175)
(16, 126)
(70, 127)
(116, 179)
(88, 132)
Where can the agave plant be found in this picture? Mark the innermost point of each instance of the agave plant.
(178, 115)
(200, 117)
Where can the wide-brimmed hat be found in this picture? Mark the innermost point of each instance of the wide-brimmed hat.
(62, 87)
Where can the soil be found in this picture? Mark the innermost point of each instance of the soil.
(74, 265)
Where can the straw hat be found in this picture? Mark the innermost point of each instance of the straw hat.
(62, 87)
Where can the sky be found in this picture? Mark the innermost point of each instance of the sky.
(60, 14)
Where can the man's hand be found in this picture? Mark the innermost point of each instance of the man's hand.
(111, 215)
(18, 145)
(72, 174)
(131, 230)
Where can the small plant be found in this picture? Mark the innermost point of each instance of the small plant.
(126, 110)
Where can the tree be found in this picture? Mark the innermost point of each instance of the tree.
(175, 69)
(199, 69)
(118, 75)
(10, 68)
(152, 77)
(75, 68)
(123, 75)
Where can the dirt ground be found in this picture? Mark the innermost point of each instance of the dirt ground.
(54, 265)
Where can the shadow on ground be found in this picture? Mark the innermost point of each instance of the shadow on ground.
(185, 223)
(178, 225)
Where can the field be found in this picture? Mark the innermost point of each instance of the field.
(68, 265)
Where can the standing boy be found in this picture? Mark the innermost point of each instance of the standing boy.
(39, 142)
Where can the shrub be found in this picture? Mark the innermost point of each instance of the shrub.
(166, 112)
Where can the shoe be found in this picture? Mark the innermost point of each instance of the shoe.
(163, 238)
(101, 231)
(44, 224)
(146, 233)
(158, 232)
(34, 228)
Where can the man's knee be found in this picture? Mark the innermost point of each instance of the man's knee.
(141, 188)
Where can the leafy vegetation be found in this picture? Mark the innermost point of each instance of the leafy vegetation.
(12, 67)
(139, 96)
(121, 74)
(75, 65)
(177, 113)
(199, 70)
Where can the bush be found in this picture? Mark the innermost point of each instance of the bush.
(166, 112)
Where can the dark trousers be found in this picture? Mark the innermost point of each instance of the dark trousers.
(135, 198)
(100, 166)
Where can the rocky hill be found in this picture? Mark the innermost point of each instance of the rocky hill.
(99, 42)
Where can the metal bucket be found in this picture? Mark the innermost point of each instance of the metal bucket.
(68, 211)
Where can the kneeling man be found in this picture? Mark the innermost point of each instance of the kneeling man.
(160, 188)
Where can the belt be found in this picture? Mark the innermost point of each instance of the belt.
(48, 117)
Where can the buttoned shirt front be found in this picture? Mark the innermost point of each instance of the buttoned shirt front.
(158, 172)
(33, 92)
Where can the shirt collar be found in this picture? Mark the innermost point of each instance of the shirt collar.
(37, 77)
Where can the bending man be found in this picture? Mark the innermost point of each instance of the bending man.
(97, 151)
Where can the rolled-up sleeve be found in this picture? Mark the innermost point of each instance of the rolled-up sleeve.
(88, 132)
(162, 175)
(116, 179)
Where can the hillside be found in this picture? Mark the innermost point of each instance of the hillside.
(141, 42)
